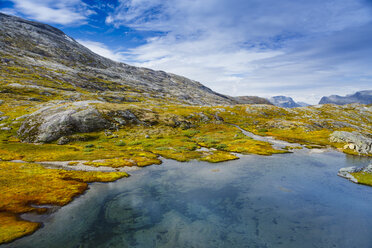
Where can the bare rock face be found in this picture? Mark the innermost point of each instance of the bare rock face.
(51, 123)
(361, 143)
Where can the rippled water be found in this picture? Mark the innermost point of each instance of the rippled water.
(288, 200)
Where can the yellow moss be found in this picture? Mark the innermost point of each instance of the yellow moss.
(363, 178)
(293, 147)
(24, 184)
(301, 136)
(219, 156)
(136, 158)
(12, 227)
(229, 138)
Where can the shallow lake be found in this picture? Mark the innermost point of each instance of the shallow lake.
(288, 200)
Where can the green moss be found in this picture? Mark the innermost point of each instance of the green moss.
(120, 143)
(363, 178)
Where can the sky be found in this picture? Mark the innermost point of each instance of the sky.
(298, 48)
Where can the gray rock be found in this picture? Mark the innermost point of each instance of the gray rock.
(345, 173)
(52, 123)
(119, 120)
(34, 99)
(124, 116)
(361, 143)
(63, 140)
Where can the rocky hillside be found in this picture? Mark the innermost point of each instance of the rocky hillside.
(42, 58)
(363, 97)
(93, 119)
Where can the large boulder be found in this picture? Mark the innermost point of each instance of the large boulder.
(51, 123)
(361, 143)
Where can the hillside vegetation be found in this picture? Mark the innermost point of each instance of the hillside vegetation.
(69, 117)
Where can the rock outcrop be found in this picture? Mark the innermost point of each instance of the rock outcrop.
(52, 123)
(361, 143)
(347, 172)
(363, 97)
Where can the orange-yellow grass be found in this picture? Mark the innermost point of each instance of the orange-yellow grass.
(11, 227)
(219, 156)
(363, 178)
(231, 139)
(24, 184)
(131, 158)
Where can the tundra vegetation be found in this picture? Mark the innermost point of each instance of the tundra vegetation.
(69, 117)
(136, 135)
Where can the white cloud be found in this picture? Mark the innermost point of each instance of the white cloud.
(51, 11)
(253, 47)
(102, 50)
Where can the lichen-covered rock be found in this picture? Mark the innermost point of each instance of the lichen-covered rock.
(54, 122)
(346, 173)
(63, 140)
(361, 143)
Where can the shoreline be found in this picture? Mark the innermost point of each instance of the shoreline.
(79, 166)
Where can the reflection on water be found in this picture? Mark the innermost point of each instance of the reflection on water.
(288, 200)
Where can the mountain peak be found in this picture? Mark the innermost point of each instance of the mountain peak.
(363, 97)
(283, 101)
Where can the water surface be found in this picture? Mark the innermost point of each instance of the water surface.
(287, 200)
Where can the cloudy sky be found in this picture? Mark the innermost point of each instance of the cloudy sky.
(299, 48)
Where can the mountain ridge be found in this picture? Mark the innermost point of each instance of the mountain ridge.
(41, 45)
(363, 97)
(284, 101)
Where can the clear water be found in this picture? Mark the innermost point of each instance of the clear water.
(288, 200)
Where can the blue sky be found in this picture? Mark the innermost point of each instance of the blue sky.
(299, 48)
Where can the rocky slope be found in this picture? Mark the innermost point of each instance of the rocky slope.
(50, 58)
(363, 97)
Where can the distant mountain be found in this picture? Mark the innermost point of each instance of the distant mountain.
(252, 100)
(363, 97)
(284, 102)
(303, 104)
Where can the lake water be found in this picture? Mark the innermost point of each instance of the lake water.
(287, 200)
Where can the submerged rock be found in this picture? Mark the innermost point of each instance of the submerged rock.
(361, 143)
